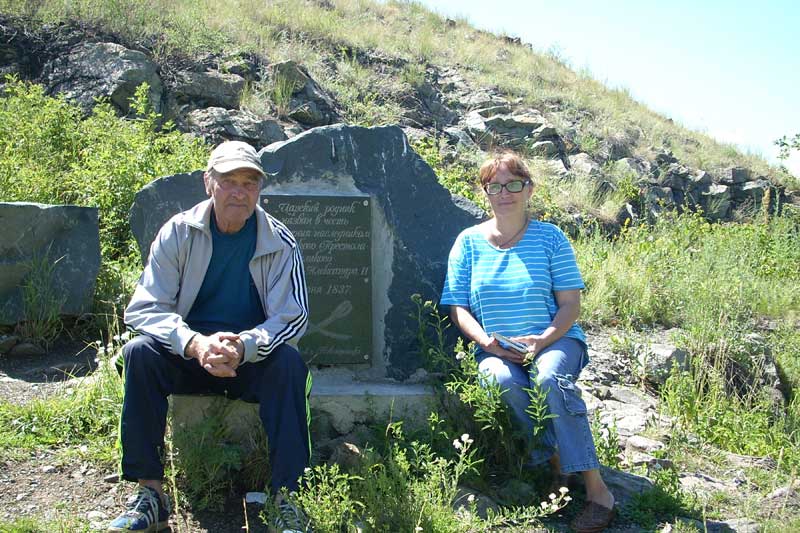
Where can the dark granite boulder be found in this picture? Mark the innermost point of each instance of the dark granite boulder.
(55, 248)
(94, 70)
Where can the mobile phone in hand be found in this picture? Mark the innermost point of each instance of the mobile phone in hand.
(509, 344)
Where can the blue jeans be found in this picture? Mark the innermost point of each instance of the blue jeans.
(556, 369)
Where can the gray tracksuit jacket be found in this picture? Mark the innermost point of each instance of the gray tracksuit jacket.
(177, 265)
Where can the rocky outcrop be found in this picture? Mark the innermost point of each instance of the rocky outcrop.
(307, 102)
(216, 124)
(204, 95)
(102, 70)
(55, 251)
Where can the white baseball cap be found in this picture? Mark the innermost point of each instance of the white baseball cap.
(232, 155)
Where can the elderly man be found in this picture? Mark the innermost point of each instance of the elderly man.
(219, 308)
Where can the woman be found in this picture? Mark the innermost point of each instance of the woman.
(518, 277)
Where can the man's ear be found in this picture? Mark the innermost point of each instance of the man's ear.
(207, 183)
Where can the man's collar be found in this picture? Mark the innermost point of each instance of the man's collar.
(267, 239)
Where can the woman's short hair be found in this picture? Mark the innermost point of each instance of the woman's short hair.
(513, 163)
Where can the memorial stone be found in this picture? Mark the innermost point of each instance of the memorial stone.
(380, 252)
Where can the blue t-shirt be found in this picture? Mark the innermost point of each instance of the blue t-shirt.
(228, 299)
(511, 291)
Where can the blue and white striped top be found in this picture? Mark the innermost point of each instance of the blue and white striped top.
(511, 291)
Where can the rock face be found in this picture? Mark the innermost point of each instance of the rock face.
(216, 124)
(214, 89)
(95, 70)
(56, 248)
(308, 103)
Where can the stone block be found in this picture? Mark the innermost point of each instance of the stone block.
(751, 191)
(209, 89)
(410, 241)
(342, 404)
(584, 164)
(735, 176)
(160, 200)
(55, 247)
(716, 201)
(657, 359)
(216, 124)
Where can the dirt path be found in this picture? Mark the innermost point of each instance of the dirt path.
(54, 484)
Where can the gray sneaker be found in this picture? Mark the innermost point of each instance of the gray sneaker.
(291, 519)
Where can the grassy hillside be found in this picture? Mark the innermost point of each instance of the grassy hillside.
(370, 54)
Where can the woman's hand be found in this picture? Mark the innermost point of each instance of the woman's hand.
(492, 346)
(535, 344)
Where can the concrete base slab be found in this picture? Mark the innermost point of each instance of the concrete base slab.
(341, 406)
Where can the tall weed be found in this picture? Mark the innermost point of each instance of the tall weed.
(41, 302)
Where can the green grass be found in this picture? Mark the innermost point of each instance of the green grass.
(716, 283)
(687, 272)
(87, 414)
(34, 525)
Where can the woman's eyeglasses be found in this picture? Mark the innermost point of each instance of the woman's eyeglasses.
(511, 186)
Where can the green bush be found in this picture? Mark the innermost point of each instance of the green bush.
(50, 154)
(457, 177)
(408, 486)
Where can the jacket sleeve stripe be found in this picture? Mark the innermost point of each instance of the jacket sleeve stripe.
(298, 292)
(162, 342)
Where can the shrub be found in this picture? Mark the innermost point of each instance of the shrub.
(457, 176)
(49, 154)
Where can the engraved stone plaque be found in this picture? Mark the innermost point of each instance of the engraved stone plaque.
(335, 240)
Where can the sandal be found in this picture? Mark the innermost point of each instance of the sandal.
(593, 518)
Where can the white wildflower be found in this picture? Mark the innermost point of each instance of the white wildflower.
(552, 496)
(460, 356)
(465, 437)
(457, 444)
(543, 505)
(471, 498)
(567, 498)
(563, 490)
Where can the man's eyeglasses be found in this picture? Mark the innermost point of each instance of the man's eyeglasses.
(511, 186)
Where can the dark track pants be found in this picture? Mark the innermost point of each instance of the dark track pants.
(280, 385)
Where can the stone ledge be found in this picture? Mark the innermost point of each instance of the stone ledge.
(338, 406)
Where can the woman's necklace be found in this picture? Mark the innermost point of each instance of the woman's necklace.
(509, 241)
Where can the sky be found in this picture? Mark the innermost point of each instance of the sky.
(730, 69)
